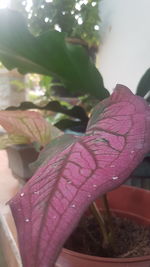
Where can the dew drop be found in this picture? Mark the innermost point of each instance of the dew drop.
(112, 166)
(132, 151)
(27, 220)
(115, 177)
(94, 185)
(22, 194)
(89, 195)
(69, 182)
(73, 206)
(36, 192)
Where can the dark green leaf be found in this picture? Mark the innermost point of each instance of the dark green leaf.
(144, 84)
(48, 54)
(76, 126)
(75, 112)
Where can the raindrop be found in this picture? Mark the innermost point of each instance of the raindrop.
(73, 206)
(94, 185)
(132, 151)
(22, 194)
(36, 192)
(112, 166)
(89, 195)
(115, 177)
(27, 220)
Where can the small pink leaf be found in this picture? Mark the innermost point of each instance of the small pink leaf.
(30, 124)
(52, 202)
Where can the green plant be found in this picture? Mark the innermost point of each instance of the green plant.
(79, 19)
(48, 54)
(143, 88)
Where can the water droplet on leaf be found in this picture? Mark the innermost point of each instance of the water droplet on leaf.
(36, 192)
(27, 220)
(115, 177)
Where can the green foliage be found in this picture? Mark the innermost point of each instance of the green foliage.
(18, 85)
(48, 54)
(143, 88)
(75, 18)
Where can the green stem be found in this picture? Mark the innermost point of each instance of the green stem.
(108, 219)
(106, 209)
(99, 218)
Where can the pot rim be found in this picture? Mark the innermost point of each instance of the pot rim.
(113, 260)
(95, 258)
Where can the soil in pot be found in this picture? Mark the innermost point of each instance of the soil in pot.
(129, 239)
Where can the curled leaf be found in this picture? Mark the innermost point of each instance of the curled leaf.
(50, 205)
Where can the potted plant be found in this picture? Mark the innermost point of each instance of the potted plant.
(27, 132)
(74, 171)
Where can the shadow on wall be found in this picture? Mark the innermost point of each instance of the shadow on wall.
(124, 53)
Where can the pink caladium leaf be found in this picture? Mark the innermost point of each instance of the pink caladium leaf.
(50, 205)
(28, 124)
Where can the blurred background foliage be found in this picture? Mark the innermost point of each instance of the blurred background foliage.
(77, 18)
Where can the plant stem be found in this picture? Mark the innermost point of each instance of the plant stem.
(108, 219)
(108, 216)
(99, 218)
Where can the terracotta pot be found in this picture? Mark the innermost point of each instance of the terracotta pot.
(19, 158)
(129, 202)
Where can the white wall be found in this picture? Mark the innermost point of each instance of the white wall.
(9, 95)
(125, 49)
